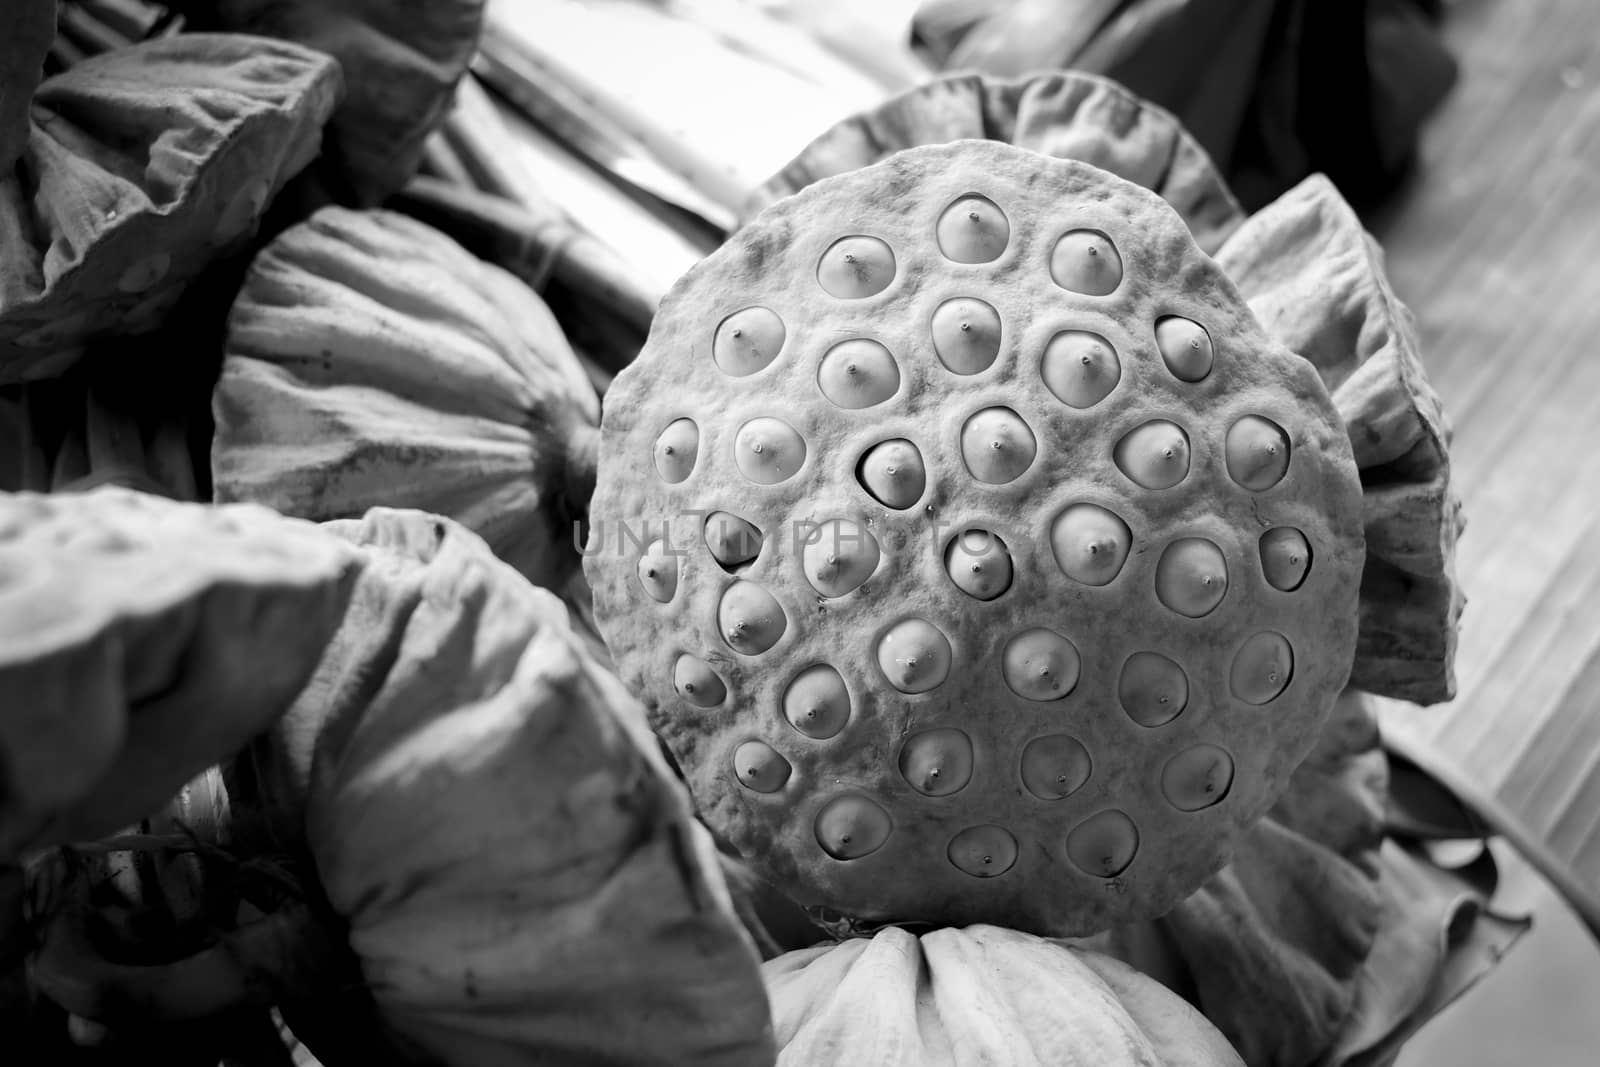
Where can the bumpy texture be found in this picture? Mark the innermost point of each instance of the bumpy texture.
(401, 62)
(126, 624)
(1058, 722)
(1069, 114)
(373, 361)
(143, 166)
(1315, 279)
(979, 995)
(522, 876)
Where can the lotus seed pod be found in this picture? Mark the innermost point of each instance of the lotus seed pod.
(1080, 368)
(733, 541)
(849, 827)
(966, 335)
(768, 451)
(983, 851)
(858, 374)
(817, 702)
(856, 267)
(973, 230)
(676, 450)
(1055, 766)
(1185, 348)
(751, 618)
(1197, 777)
(747, 341)
(1155, 455)
(978, 562)
(973, 629)
(894, 474)
(1090, 543)
(1262, 669)
(1152, 689)
(914, 656)
(658, 571)
(1086, 262)
(937, 763)
(1192, 577)
(1257, 453)
(1103, 845)
(997, 445)
(697, 683)
(1285, 558)
(760, 767)
(1040, 664)
(838, 556)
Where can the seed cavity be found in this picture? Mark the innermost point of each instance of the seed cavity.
(973, 229)
(983, 851)
(966, 334)
(676, 450)
(1257, 453)
(1192, 577)
(856, 267)
(1185, 348)
(759, 767)
(858, 374)
(658, 571)
(697, 683)
(937, 763)
(852, 826)
(1103, 844)
(750, 618)
(1152, 689)
(979, 563)
(1055, 766)
(747, 341)
(1090, 543)
(1080, 368)
(914, 656)
(1085, 261)
(838, 556)
(892, 472)
(1285, 558)
(817, 704)
(768, 450)
(734, 542)
(1197, 777)
(1154, 455)
(997, 445)
(1262, 668)
(1040, 664)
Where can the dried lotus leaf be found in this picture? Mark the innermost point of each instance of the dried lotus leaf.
(1316, 280)
(1070, 115)
(372, 361)
(143, 166)
(127, 625)
(521, 873)
(401, 63)
(26, 29)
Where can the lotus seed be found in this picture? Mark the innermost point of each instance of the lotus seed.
(817, 704)
(748, 341)
(1079, 368)
(1152, 689)
(1090, 543)
(658, 571)
(732, 541)
(1257, 453)
(838, 556)
(914, 656)
(937, 762)
(892, 472)
(852, 826)
(1285, 558)
(1085, 261)
(760, 767)
(1154, 455)
(768, 451)
(1104, 844)
(1197, 777)
(983, 851)
(966, 335)
(1011, 446)
(858, 374)
(1192, 577)
(1262, 668)
(1040, 664)
(856, 267)
(1185, 348)
(1055, 766)
(694, 679)
(751, 618)
(676, 450)
(973, 230)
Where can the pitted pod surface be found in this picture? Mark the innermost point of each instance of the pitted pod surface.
(999, 568)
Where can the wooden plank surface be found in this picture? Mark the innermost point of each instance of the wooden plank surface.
(1495, 245)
